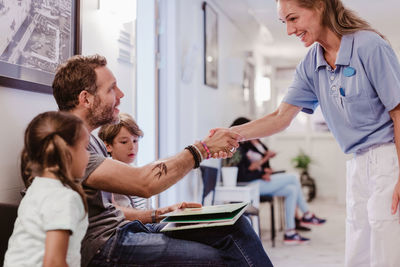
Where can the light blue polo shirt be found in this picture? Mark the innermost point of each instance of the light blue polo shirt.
(357, 96)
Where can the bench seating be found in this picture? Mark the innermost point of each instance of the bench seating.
(8, 214)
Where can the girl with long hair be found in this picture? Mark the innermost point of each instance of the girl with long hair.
(52, 216)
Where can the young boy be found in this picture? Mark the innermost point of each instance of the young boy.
(122, 143)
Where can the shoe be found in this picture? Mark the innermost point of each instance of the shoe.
(300, 227)
(294, 239)
(313, 220)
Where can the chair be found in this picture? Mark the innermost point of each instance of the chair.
(209, 176)
(8, 214)
(270, 199)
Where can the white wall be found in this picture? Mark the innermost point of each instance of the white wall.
(197, 107)
(17, 109)
(101, 29)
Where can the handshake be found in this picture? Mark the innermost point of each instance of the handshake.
(222, 142)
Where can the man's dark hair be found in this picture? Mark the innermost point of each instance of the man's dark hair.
(74, 76)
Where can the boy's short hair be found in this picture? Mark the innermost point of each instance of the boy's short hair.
(108, 132)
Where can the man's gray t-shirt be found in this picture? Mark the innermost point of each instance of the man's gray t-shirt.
(104, 218)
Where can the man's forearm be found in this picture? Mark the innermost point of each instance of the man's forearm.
(114, 176)
(117, 177)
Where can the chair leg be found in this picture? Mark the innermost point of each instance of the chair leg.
(281, 202)
(259, 226)
(272, 223)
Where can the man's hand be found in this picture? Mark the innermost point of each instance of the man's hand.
(182, 205)
(270, 154)
(222, 142)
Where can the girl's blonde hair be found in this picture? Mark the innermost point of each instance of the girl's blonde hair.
(46, 147)
(337, 17)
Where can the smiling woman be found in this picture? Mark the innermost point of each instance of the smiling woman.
(341, 73)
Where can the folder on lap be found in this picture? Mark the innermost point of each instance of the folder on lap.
(207, 216)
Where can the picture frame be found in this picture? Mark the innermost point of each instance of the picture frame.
(210, 46)
(37, 37)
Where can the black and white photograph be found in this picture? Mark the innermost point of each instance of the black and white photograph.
(210, 46)
(37, 35)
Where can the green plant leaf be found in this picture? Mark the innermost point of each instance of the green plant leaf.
(232, 161)
(301, 161)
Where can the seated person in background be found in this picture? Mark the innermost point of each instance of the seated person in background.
(254, 167)
(122, 143)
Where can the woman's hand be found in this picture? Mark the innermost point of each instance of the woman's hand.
(254, 166)
(267, 174)
(266, 177)
(270, 154)
(222, 142)
(268, 170)
(396, 198)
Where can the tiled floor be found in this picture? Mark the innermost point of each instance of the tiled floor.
(326, 248)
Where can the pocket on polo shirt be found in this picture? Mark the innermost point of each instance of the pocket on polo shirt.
(357, 110)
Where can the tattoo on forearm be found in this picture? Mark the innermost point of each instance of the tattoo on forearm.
(161, 169)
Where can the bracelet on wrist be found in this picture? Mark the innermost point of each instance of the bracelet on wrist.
(206, 148)
(198, 152)
(196, 157)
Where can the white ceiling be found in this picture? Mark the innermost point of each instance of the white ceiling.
(258, 19)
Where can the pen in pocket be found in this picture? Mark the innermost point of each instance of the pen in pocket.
(342, 94)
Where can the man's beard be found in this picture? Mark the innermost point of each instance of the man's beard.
(101, 115)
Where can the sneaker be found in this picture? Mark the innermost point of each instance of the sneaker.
(313, 220)
(300, 227)
(295, 239)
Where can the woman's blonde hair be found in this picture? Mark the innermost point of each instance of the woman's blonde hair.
(337, 17)
(108, 132)
(46, 147)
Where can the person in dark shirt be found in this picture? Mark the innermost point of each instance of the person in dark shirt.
(254, 167)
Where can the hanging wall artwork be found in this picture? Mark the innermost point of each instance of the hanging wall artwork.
(36, 37)
(210, 46)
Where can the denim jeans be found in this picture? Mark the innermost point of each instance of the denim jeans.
(285, 185)
(136, 244)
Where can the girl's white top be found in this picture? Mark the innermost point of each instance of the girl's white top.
(48, 205)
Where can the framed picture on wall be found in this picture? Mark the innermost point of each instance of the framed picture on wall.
(36, 37)
(210, 46)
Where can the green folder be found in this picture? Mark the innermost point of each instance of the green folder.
(207, 216)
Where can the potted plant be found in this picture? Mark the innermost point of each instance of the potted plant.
(230, 170)
(302, 161)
